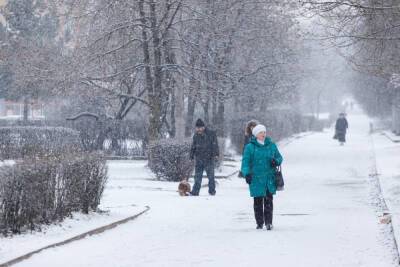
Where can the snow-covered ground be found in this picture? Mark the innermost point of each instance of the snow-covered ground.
(116, 208)
(388, 167)
(18, 245)
(325, 216)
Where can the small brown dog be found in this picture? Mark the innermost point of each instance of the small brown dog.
(184, 188)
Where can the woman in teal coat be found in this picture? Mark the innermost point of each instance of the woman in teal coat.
(260, 158)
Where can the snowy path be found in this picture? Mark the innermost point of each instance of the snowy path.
(324, 218)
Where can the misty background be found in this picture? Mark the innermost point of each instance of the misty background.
(98, 101)
(126, 73)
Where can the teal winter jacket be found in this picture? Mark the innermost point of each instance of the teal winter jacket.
(257, 162)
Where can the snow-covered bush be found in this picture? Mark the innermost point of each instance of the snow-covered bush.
(20, 142)
(395, 80)
(169, 159)
(20, 122)
(85, 175)
(27, 196)
(115, 137)
(40, 191)
(52, 176)
(127, 138)
(313, 124)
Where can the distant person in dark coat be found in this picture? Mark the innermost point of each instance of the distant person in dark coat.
(204, 151)
(341, 128)
(248, 132)
(247, 137)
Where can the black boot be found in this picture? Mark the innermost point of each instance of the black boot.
(268, 209)
(258, 212)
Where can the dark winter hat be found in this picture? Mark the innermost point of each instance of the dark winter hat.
(200, 123)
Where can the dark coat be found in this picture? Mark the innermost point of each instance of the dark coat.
(204, 146)
(341, 125)
(341, 129)
(247, 140)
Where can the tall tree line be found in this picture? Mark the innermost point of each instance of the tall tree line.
(170, 60)
(367, 34)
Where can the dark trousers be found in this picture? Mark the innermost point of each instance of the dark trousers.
(342, 137)
(263, 209)
(201, 166)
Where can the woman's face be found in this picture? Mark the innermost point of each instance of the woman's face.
(261, 136)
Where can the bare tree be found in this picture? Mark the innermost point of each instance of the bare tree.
(171, 60)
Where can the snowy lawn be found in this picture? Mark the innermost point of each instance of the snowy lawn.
(325, 216)
(388, 168)
(18, 245)
(115, 203)
(391, 136)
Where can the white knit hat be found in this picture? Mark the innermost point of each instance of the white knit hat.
(258, 129)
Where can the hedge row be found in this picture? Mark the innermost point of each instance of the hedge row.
(41, 191)
(53, 176)
(115, 137)
(280, 123)
(31, 141)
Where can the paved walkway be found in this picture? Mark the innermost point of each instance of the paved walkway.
(323, 218)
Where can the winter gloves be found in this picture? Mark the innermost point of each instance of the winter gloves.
(273, 163)
(248, 178)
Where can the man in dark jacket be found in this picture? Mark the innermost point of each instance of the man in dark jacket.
(204, 150)
(341, 128)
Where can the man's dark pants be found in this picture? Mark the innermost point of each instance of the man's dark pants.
(201, 166)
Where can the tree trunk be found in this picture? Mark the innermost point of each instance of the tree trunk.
(156, 97)
(174, 113)
(221, 117)
(396, 114)
(214, 109)
(26, 110)
(206, 108)
(146, 61)
(263, 104)
(153, 80)
(191, 106)
(101, 138)
(318, 104)
(177, 88)
(236, 105)
(180, 113)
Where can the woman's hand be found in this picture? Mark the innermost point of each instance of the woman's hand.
(248, 178)
(273, 163)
